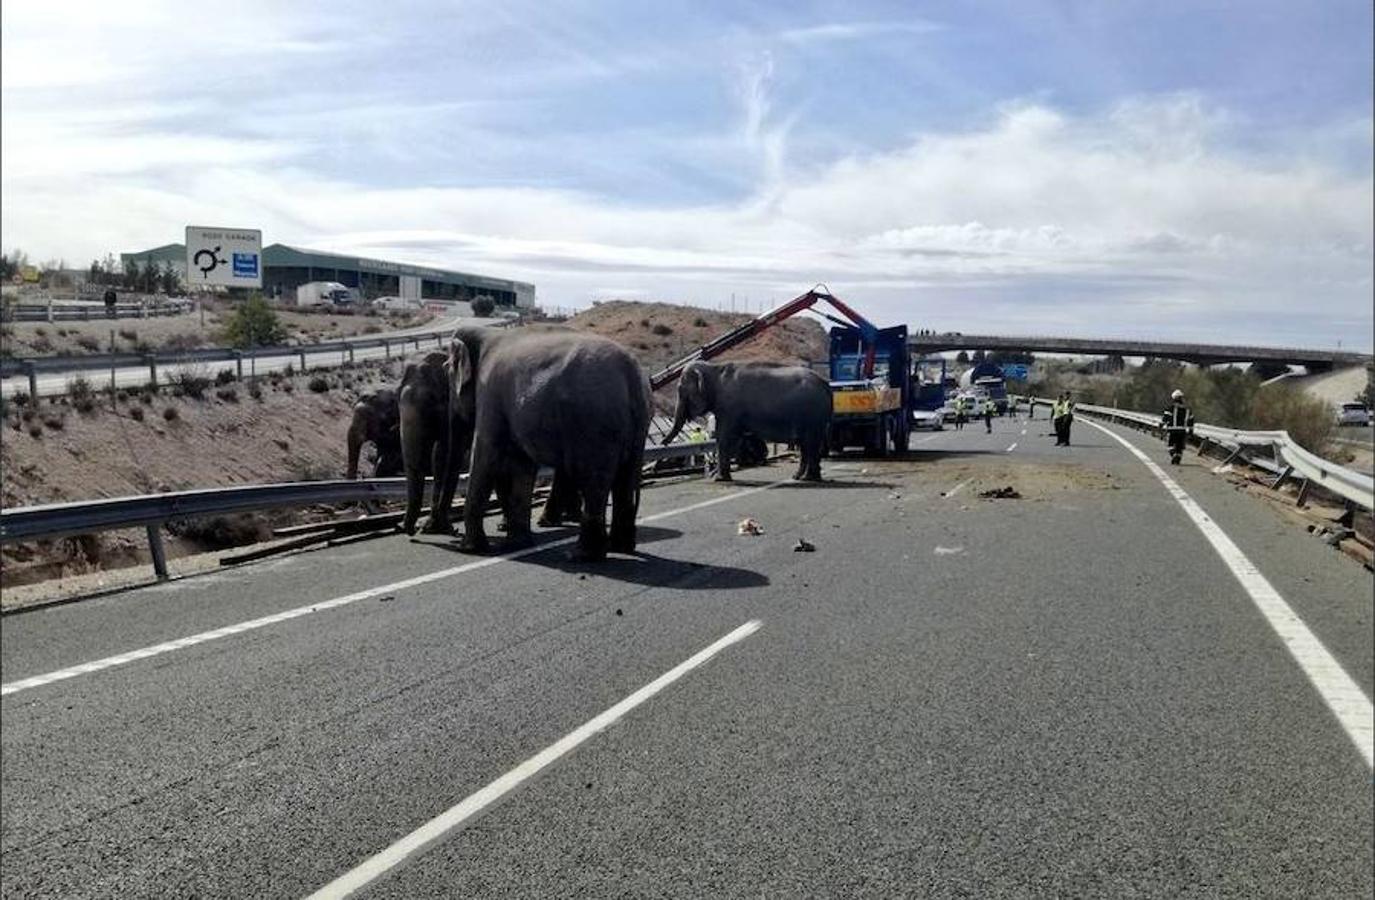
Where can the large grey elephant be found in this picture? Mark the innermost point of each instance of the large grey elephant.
(429, 432)
(572, 401)
(771, 401)
(376, 421)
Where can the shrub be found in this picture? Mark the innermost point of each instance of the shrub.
(136, 413)
(661, 329)
(255, 392)
(86, 342)
(220, 532)
(303, 469)
(483, 306)
(54, 422)
(289, 371)
(228, 395)
(41, 332)
(129, 335)
(171, 414)
(81, 393)
(41, 344)
(61, 332)
(699, 322)
(28, 415)
(318, 384)
(372, 329)
(288, 386)
(189, 383)
(254, 324)
(21, 398)
(35, 431)
(225, 376)
(143, 347)
(147, 396)
(644, 323)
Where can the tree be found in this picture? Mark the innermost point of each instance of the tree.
(170, 281)
(254, 324)
(962, 357)
(96, 274)
(483, 306)
(131, 275)
(1367, 396)
(148, 280)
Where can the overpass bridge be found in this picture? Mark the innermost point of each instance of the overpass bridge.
(1202, 354)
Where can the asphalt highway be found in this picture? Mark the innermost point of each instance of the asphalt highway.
(1066, 694)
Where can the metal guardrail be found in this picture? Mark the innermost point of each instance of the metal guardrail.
(1348, 484)
(56, 520)
(85, 312)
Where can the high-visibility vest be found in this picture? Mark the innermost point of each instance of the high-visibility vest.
(697, 436)
(1060, 409)
(989, 408)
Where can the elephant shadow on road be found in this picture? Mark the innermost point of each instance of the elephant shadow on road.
(645, 569)
(650, 570)
(826, 483)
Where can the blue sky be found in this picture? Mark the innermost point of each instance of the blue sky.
(1191, 170)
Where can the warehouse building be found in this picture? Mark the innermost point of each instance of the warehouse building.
(287, 268)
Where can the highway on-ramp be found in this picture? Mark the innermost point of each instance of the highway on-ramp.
(1074, 693)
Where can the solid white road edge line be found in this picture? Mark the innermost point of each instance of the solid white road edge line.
(253, 624)
(1337, 689)
(415, 842)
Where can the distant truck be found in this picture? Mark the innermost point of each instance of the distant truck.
(870, 413)
(329, 294)
(987, 378)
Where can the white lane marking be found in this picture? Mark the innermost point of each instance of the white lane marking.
(1010, 449)
(1023, 431)
(415, 842)
(1342, 695)
(253, 624)
(947, 551)
(956, 489)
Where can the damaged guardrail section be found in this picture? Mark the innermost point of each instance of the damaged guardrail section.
(56, 520)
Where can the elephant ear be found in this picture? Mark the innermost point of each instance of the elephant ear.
(459, 365)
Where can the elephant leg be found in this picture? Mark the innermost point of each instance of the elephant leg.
(562, 503)
(438, 522)
(625, 503)
(726, 444)
(482, 477)
(413, 456)
(811, 457)
(519, 485)
(592, 533)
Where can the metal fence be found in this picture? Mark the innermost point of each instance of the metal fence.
(54, 311)
(343, 350)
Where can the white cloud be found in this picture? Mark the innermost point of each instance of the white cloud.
(830, 32)
(1139, 220)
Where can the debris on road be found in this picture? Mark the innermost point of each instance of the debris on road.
(386, 598)
(804, 547)
(749, 526)
(1002, 493)
(1222, 470)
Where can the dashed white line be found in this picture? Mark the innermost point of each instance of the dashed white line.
(956, 489)
(1338, 690)
(1023, 431)
(253, 624)
(1010, 449)
(415, 842)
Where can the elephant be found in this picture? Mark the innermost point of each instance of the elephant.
(376, 420)
(429, 432)
(575, 402)
(771, 401)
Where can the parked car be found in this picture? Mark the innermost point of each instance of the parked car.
(1353, 414)
(929, 418)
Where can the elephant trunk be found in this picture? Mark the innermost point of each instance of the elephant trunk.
(355, 447)
(679, 418)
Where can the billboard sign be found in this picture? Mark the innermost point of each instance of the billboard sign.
(224, 257)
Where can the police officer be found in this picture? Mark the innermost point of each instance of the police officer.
(1062, 412)
(989, 409)
(1178, 424)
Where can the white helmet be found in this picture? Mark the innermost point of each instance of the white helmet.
(1177, 395)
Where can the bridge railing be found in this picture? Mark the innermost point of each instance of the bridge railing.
(1295, 461)
(152, 511)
